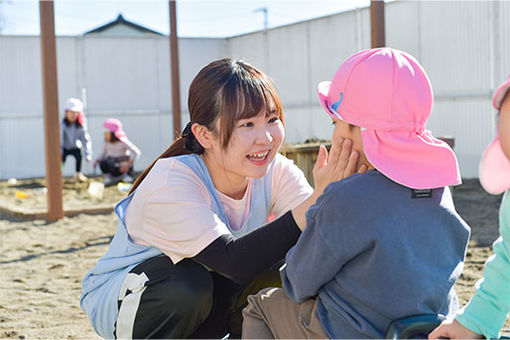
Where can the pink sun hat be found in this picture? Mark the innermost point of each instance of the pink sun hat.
(500, 93)
(387, 94)
(114, 125)
(494, 169)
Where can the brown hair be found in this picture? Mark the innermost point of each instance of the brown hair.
(226, 90)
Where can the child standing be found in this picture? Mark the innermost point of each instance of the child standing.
(119, 153)
(74, 135)
(487, 310)
(377, 246)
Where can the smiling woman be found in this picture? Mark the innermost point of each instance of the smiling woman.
(193, 237)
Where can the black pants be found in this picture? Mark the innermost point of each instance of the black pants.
(76, 153)
(112, 166)
(188, 301)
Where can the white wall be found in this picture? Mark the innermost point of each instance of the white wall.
(464, 47)
(123, 77)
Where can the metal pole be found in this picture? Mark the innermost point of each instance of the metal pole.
(50, 103)
(174, 70)
(377, 23)
(265, 12)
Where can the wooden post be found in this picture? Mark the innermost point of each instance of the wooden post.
(377, 29)
(50, 103)
(174, 70)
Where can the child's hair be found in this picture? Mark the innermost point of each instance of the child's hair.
(113, 138)
(226, 90)
(68, 123)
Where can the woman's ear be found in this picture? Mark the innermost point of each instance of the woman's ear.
(203, 135)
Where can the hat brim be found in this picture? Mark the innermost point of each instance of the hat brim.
(121, 135)
(323, 91)
(500, 94)
(494, 169)
(415, 160)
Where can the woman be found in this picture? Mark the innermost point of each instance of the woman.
(193, 234)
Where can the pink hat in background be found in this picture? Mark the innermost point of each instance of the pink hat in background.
(500, 93)
(388, 95)
(494, 170)
(114, 125)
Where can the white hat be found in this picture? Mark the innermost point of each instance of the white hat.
(74, 104)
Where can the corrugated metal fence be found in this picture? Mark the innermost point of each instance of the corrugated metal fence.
(464, 46)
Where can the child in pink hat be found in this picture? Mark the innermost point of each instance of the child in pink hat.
(487, 310)
(119, 153)
(382, 245)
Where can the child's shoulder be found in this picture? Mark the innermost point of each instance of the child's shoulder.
(371, 181)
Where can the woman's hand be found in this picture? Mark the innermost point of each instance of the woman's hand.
(341, 162)
(453, 330)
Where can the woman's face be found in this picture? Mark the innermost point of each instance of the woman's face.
(252, 146)
(72, 116)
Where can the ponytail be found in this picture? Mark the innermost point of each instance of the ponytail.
(175, 149)
(184, 145)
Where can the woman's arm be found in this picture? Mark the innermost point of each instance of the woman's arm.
(243, 258)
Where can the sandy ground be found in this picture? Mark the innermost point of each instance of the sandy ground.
(42, 263)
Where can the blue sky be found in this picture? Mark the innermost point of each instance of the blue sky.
(195, 18)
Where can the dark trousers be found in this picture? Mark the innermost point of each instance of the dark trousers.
(188, 301)
(76, 153)
(111, 166)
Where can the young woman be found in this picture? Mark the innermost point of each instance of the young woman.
(193, 236)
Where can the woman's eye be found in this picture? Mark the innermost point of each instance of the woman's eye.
(248, 124)
(274, 119)
(333, 123)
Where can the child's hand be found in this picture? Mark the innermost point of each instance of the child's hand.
(340, 163)
(453, 330)
(125, 166)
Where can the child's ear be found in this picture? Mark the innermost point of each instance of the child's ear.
(203, 135)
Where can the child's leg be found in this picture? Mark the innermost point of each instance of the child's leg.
(108, 167)
(77, 155)
(64, 155)
(272, 314)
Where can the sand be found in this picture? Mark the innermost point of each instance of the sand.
(42, 263)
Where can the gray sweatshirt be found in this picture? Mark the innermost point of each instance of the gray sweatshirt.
(371, 254)
(73, 137)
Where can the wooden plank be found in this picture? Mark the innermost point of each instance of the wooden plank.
(50, 104)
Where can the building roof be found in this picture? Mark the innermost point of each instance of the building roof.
(121, 21)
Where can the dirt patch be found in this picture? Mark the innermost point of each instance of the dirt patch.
(30, 195)
(42, 264)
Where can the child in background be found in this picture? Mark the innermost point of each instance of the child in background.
(377, 246)
(487, 310)
(74, 136)
(119, 153)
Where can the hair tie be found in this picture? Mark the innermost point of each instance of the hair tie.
(191, 144)
(187, 130)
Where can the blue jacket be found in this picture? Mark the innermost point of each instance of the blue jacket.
(371, 254)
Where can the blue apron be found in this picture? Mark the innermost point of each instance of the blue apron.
(101, 286)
